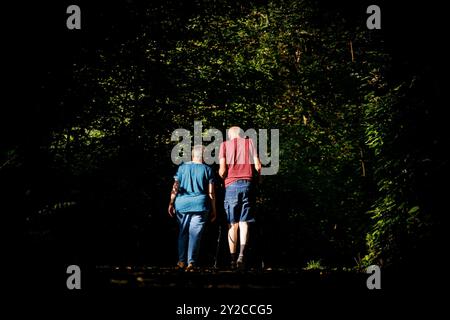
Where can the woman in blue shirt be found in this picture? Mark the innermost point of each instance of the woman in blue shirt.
(191, 199)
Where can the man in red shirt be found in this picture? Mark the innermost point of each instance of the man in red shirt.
(237, 158)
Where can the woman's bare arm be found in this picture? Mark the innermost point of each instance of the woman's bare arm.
(173, 195)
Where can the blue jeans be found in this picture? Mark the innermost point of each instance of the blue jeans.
(191, 225)
(238, 202)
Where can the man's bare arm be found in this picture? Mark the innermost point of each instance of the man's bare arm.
(223, 168)
(257, 163)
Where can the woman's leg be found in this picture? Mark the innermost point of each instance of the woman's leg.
(196, 227)
(183, 224)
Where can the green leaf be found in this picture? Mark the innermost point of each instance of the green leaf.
(413, 209)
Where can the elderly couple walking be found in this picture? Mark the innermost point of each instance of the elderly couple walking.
(192, 199)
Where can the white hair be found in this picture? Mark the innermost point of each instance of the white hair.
(197, 152)
(234, 132)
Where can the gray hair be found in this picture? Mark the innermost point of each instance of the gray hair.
(197, 152)
(234, 132)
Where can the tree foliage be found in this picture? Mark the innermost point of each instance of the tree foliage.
(347, 186)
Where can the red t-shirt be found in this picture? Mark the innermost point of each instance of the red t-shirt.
(238, 154)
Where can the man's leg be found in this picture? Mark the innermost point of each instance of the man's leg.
(232, 241)
(232, 208)
(196, 228)
(245, 217)
(243, 235)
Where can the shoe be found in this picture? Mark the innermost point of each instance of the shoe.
(180, 265)
(240, 263)
(190, 267)
(233, 265)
